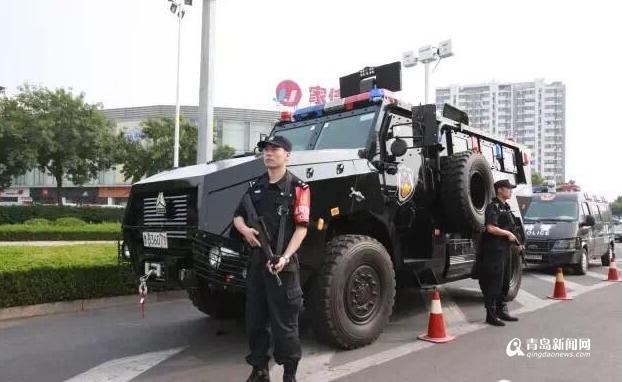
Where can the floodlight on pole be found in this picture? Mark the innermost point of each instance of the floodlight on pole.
(426, 55)
(177, 8)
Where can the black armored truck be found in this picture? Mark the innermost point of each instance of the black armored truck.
(384, 175)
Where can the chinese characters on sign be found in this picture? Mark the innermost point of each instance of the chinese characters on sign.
(318, 94)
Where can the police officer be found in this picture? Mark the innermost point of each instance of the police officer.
(283, 201)
(495, 254)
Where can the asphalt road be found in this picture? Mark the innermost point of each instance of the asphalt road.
(176, 342)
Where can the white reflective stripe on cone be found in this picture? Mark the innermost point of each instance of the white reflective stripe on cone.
(435, 308)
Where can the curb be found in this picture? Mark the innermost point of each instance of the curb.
(16, 312)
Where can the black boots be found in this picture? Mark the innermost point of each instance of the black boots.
(503, 313)
(259, 375)
(492, 318)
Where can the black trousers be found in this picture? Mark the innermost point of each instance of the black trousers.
(273, 310)
(495, 274)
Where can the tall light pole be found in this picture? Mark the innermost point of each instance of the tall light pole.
(177, 8)
(206, 84)
(427, 55)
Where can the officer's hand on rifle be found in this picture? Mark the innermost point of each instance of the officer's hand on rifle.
(512, 238)
(277, 267)
(250, 235)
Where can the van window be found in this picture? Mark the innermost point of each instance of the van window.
(604, 212)
(552, 210)
(585, 209)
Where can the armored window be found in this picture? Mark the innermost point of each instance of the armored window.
(346, 133)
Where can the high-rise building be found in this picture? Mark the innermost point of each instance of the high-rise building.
(532, 113)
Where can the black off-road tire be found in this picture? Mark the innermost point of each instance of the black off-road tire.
(466, 189)
(216, 304)
(516, 274)
(356, 292)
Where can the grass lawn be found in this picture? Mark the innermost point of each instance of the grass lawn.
(23, 258)
(21, 232)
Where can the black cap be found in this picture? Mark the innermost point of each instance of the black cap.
(276, 140)
(503, 183)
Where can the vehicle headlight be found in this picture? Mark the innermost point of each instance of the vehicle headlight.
(565, 244)
(214, 257)
(126, 251)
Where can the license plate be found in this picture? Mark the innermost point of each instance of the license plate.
(155, 239)
(532, 257)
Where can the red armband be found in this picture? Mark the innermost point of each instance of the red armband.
(302, 205)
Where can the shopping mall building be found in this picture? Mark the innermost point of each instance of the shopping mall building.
(238, 128)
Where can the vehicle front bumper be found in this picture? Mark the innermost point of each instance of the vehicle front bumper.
(553, 258)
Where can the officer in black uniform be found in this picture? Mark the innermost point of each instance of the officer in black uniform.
(283, 201)
(495, 254)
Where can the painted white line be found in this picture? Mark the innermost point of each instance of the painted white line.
(451, 311)
(596, 275)
(124, 369)
(551, 280)
(529, 301)
(314, 357)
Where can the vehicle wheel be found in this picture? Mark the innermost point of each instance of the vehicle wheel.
(516, 275)
(356, 292)
(605, 259)
(466, 189)
(581, 267)
(216, 304)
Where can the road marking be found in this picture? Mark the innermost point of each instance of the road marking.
(314, 357)
(451, 311)
(551, 280)
(529, 301)
(596, 275)
(126, 368)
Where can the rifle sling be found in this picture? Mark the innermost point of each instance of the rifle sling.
(284, 212)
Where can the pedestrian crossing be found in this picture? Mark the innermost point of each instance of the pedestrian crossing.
(462, 310)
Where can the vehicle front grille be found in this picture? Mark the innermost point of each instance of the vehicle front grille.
(538, 246)
(225, 269)
(173, 212)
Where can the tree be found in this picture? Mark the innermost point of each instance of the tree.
(153, 152)
(616, 206)
(223, 152)
(537, 179)
(73, 139)
(17, 155)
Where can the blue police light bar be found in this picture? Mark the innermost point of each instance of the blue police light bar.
(307, 112)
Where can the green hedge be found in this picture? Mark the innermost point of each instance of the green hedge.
(35, 275)
(19, 214)
(24, 232)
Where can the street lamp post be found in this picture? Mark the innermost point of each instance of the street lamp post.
(177, 8)
(427, 55)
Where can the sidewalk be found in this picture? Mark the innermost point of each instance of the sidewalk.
(52, 243)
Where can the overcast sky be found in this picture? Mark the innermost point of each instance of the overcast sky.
(123, 53)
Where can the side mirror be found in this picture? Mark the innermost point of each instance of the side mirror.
(399, 147)
(589, 221)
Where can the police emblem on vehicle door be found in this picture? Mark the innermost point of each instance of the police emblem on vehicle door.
(405, 184)
(160, 204)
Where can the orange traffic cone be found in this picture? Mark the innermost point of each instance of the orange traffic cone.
(559, 293)
(613, 272)
(436, 323)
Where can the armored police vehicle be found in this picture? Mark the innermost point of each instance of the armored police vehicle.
(568, 228)
(383, 176)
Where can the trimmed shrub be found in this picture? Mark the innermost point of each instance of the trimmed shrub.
(22, 232)
(37, 221)
(19, 214)
(36, 275)
(68, 222)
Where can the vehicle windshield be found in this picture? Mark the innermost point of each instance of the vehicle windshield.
(349, 132)
(555, 210)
